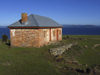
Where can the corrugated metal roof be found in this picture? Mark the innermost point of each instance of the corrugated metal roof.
(36, 21)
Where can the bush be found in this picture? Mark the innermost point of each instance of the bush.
(4, 38)
(66, 37)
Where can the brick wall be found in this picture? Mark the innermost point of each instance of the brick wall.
(34, 37)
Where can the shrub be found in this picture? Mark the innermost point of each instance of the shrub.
(67, 36)
(4, 38)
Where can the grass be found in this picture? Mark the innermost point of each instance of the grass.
(84, 52)
(25, 61)
(90, 55)
(83, 36)
(38, 61)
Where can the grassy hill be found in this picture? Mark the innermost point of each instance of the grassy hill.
(38, 61)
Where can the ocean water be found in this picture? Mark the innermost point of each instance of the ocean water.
(81, 31)
(4, 31)
(66, 31)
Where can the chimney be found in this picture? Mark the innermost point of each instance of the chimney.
(24, 17)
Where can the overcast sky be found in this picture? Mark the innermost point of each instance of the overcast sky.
(63, 11)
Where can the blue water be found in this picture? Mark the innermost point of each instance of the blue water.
(81, 31)
(66, 31)
(4, 31)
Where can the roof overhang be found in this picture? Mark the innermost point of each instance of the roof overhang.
(33, 27)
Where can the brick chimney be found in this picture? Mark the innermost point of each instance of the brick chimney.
(24, 17)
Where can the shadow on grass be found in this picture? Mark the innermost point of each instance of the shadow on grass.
(8, 44)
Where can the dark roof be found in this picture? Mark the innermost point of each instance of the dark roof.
(36, 21)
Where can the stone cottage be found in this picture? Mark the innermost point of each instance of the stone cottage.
(34, 31)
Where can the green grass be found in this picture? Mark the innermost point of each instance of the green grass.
(89, 55)
(83, 36)
(38, 61)
(26, 61)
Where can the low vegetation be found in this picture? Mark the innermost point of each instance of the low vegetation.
(4, 38)
(81, 59)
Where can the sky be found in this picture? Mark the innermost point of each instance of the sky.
(72, 12)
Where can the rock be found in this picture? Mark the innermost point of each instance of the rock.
(59, 58)
(97, 70)
(86, 46)
(96, 45)
(60, 50)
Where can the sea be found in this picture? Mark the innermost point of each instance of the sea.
(67, 30)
